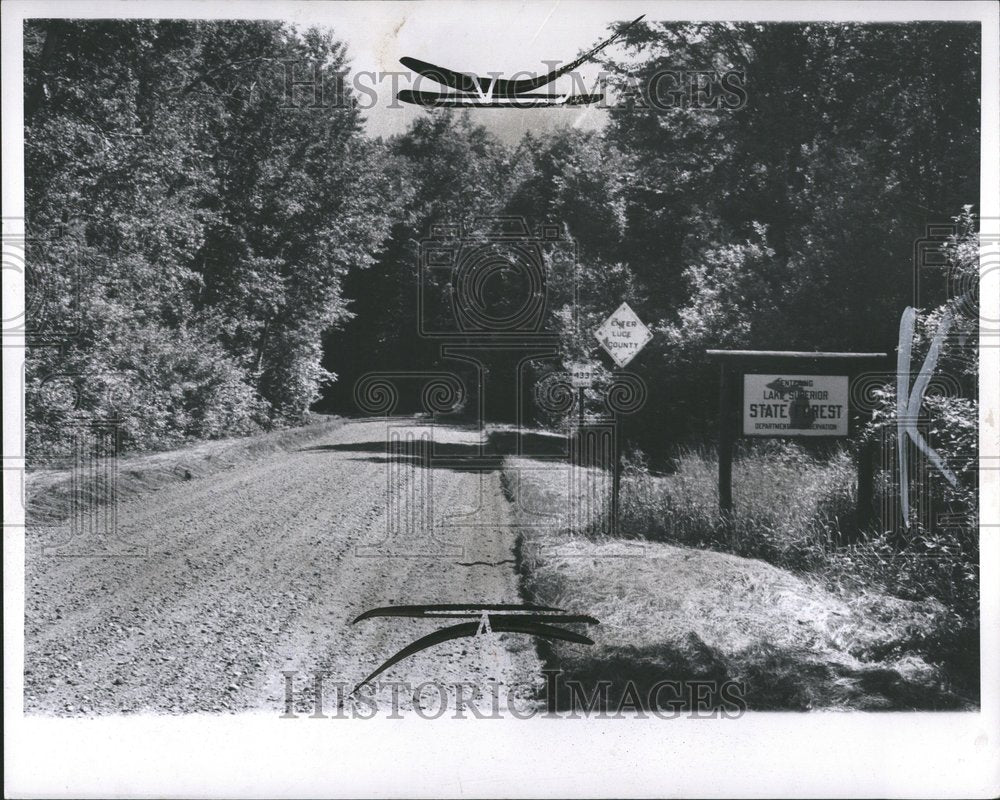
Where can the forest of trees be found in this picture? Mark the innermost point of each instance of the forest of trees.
(232, 255)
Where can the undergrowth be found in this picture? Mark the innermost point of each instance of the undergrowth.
(797, 511)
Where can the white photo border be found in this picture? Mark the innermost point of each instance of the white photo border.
(916, 754)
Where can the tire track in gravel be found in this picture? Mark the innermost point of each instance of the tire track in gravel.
(348, 653)
(255, 571)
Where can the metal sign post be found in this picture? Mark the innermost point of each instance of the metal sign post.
(622, 335)
(581, 377)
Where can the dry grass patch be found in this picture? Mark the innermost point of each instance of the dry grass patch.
(789, 508)
(672, 612)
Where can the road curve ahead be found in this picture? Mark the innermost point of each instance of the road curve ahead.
(259, 571)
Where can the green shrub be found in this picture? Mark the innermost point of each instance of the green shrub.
(185, 387)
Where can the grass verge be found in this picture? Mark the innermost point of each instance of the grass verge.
(687, 597)
(50, 492)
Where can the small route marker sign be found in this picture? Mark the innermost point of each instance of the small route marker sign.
(582, 375)
(623, 335)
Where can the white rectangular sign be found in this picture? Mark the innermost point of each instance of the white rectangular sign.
(582, 376)
(795, 405)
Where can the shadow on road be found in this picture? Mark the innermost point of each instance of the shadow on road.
(484, 456)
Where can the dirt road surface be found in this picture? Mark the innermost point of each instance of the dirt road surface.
(260, 570)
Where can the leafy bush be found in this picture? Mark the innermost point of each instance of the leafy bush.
(943, 565)
(161, 388)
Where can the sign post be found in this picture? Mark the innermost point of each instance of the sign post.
(727, 436)
(775, 393)
(622, 335)
(581, 377)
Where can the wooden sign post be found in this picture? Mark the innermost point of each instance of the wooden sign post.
(776, 393)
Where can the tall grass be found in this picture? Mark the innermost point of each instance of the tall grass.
(789, 508)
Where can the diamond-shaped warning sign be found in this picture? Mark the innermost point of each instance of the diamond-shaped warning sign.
(623, 335)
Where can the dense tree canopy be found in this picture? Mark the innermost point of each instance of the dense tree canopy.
(211, 226)
(237, 255)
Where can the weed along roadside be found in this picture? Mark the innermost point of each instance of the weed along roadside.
(778, 561)
(761, 597)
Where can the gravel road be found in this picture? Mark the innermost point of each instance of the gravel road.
(260, 570)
